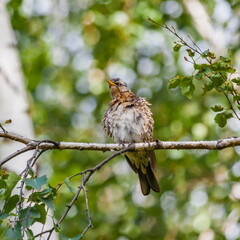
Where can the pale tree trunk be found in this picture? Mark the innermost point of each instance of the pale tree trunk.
(14, 103)
(13, 98)
(204, 26)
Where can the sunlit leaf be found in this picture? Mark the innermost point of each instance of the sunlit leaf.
(187, 87)
(3, 184)
(236, 80)
(36, 183)
(221, 118)
(67, 182)
(177, 47)
(175, 81)
(190, 53)
(217, 108)
(236, 98)
(11, 181)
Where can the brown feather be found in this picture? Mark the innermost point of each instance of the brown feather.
(145, 187)
(151, 178)
(129, 120)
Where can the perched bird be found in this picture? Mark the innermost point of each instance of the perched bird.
(129, 120)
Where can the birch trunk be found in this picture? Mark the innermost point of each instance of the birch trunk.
(14, 103)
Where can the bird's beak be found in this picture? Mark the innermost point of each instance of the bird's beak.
(111, 83)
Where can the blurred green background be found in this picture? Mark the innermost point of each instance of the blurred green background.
(68, 49)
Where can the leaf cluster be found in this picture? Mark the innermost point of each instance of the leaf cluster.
(212, 74)
(20, 211)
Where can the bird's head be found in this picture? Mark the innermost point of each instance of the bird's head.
(117, 87)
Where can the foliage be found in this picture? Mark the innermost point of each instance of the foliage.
(18, 211)
(67, 50)
(213, 74)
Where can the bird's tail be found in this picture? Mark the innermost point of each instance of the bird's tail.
(147, 179)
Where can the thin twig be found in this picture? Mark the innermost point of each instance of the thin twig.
(231, 107)
(2, 128)
(88, 172)
(198, 50)
(18, 152)
(87, 208)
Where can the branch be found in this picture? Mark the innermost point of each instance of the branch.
(48, 145)
(39, 146)
(88, 172)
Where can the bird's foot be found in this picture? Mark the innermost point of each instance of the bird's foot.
(125, 144)
(158, 142)
(122, 144)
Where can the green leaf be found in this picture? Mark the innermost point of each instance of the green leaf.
(221, 118)
(49, 202)
(231, 70)
(63, 237)
(218, 80)
(204, 68)
(190, 53)
(236, 80)
(198, 76)
(46, 191)
(3, 174)
(187, 87)
(209, 54)
(4, 216)
(31, 172)
(223, 67)
(3, 184)
(36, 183)
(236, 98)
(205, 53)
(11, 181)
(28, 216)
(197, 66)
(25, 217)
(42, 211)
(228, 60)
(67, 182)
(77, 237)
(207, 87)
(228, 115)
(56, 228)
(175, 81)
(14, 233)
(229, 86)
(11, 203)
(177, 47)
(35, 197)
(30, 234)
(217, 108)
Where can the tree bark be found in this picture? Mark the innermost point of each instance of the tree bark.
(14, 103)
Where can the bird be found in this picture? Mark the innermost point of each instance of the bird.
(128, 119)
